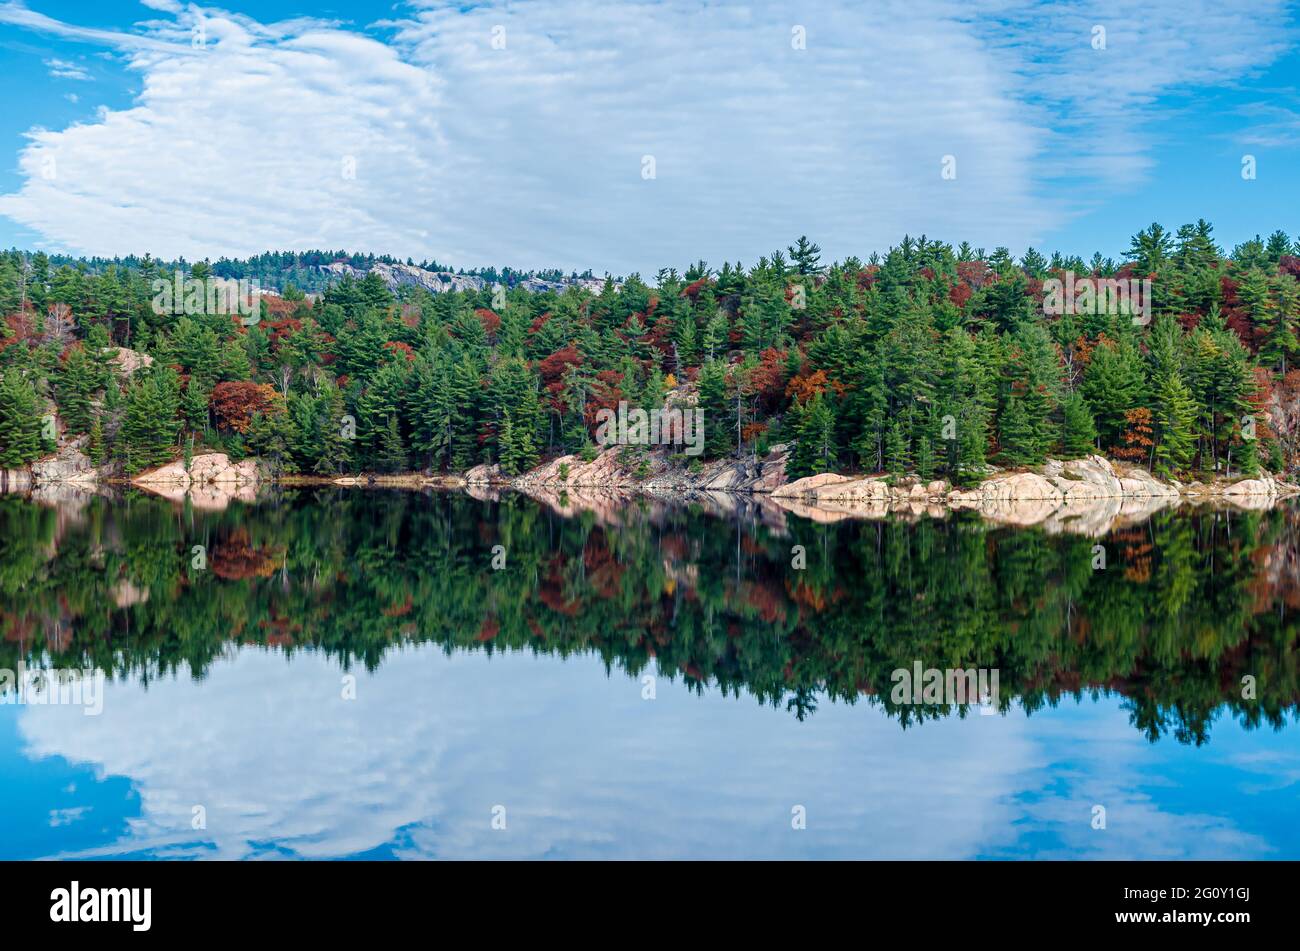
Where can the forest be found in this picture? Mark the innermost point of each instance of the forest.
(930, 359)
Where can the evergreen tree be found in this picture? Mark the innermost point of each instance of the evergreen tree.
(1175, 425)
(1016, 435)
(20, 421)
(716, 409)
(392, 453)
(925, 461)
(1279, 324)
(1078, 432)
(805, 256)
(336, 431)
(76, 383)
(1114, 384)
(96, 449)
(814, 449)
(897, 458)
(150, 425)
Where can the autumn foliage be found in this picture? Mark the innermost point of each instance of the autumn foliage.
(234, 403)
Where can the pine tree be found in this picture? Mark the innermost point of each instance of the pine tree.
(805, 256)
(925, 462)
(1279, 326)
(194, 406)
(716, 408)
(73, 389)
(1114, 384)
(1078, 432)
(1245, 453)
(150, 426)
(392, 454)
(20, 421)
(897, 457)
(96, 450)
(715, 335)
(814, 449)
(465, 395)
(1175, 425)
(687, 340)
(972, 439)
(1016, 435)
(336, 432)
(268, 436)
(517, 451)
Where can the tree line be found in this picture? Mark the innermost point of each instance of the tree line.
(927, 360)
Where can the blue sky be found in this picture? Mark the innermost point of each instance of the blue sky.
(521, 133)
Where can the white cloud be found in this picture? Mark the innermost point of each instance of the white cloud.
(531, 154)
(62, 69)
(66, 817)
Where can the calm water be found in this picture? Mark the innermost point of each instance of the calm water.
(348, 675)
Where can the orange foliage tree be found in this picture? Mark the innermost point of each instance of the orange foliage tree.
(1138, 438)
(234, 403)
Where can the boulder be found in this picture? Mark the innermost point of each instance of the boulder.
(809, 485)
(211, 481)
(173, 473)
(1262, 486)
(483, 475)
(216, 468)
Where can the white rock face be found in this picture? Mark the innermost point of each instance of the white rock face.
(69, 465)
(619, 467)
(484, 475)
(213, 468)
(212, 481)
(128, 361)
(439, 282)
(1251, 487)
(829, 487)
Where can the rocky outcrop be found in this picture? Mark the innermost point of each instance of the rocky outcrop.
(830, 487)
(69, 465)
(213, 468)
(1088, 496)
(485, 475)
(631, 468)
(212, 481)
(400, 275)
(128, 361)
(726, 475)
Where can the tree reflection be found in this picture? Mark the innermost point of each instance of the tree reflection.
(1188, 605)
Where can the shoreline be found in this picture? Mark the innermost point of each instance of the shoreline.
(1087, 496)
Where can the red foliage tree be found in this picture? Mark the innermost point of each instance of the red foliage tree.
(490, 320)
(235, 402)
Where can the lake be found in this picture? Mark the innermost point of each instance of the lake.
(388, 674)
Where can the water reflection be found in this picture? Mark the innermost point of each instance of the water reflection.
(226, 733)
(1186, 609)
